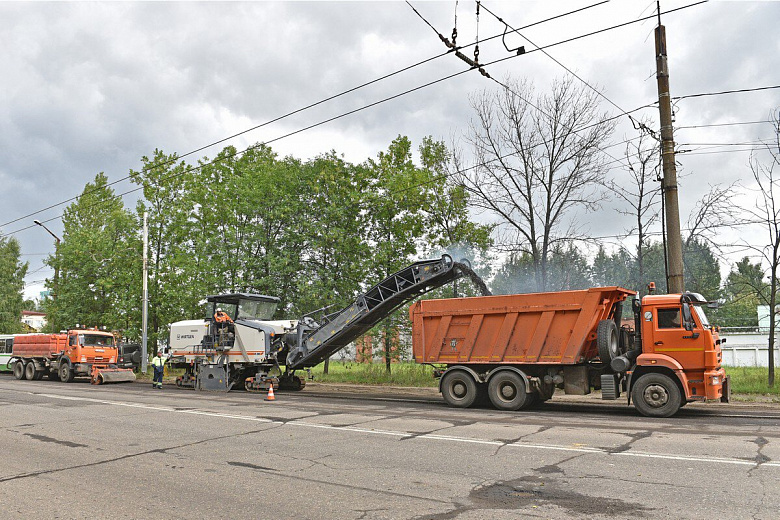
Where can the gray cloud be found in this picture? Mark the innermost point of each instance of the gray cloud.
(90, 87)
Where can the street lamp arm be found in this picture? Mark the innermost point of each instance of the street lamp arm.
(39, 223)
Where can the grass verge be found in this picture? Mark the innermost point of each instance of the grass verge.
(401, 374)
(750, 384)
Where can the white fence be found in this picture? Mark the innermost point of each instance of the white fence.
(747, 349)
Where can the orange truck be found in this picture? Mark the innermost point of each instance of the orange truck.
(63, 356)
(516, 349)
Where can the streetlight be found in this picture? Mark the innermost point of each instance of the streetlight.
(56, 257)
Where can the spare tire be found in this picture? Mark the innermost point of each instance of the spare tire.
(607, 340)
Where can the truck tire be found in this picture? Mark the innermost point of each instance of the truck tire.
(607, 340)
(66, 373)
(507, 391)
(19, 369)
(656, 395)
(458, 389)
(31, 372)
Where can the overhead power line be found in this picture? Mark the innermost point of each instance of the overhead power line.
(737, 91)
(567, 69)
(711, 125)
(278, 118)
(389, 98)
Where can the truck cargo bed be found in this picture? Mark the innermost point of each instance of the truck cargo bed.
(536, 328)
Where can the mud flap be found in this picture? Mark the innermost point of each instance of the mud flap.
(610, 387)
(726, 395)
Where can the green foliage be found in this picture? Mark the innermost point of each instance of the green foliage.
(166, 183)
(617, 268)
(403, 374)
(567, 269)
(411, 210)
(99, 264)
(12, 272)
(335, 252)
(314, 233)
(743, 291)
(701, 269)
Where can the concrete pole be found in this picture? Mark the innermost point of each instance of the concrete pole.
(674, 281)
(144, 350)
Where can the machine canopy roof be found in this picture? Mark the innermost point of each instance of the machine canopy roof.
(234, 298)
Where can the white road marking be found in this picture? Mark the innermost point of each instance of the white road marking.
(426, 436)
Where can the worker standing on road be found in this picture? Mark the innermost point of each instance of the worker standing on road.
(158, 362)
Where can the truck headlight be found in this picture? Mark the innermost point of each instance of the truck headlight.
(716, 380)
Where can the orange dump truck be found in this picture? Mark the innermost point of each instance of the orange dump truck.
(83, 352)
(518, 348)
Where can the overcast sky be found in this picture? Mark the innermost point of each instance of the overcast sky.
(91, 87)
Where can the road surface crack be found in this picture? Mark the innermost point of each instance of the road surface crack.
(633, 438)
(125, 457)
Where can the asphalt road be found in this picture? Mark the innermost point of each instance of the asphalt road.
(128, 451)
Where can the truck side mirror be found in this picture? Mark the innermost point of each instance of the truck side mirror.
(687, 318)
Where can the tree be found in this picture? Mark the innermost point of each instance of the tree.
(166, 184)
(336, 253)
(516, 275)
(568, 269)
(639, 192)
(246, 226)
(701, 269)
(448, 225)
(743, 291)
(394, 201)
(12, 272)
(99, 261)
(767, 212)
(536, 167)
(617, 268)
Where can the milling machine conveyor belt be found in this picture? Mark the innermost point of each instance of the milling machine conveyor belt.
(370, 308)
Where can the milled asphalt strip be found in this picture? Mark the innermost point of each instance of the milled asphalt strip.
(436, 437)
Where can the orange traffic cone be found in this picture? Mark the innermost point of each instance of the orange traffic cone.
(270, 396)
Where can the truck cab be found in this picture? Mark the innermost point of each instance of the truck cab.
(87, 347)
(677, 344)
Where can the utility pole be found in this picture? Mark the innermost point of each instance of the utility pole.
(56, 259)
(145, 309)
(674, 281)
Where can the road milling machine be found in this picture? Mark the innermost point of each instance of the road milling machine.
(239, 345)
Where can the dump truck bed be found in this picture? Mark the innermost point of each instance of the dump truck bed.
(39, 345)
(536, 328)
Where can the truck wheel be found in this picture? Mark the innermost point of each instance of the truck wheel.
(656, 395)
(66, 373)
(19, 369)
(459, 389)
(607, 340)
(30, 371)
(507, 391)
